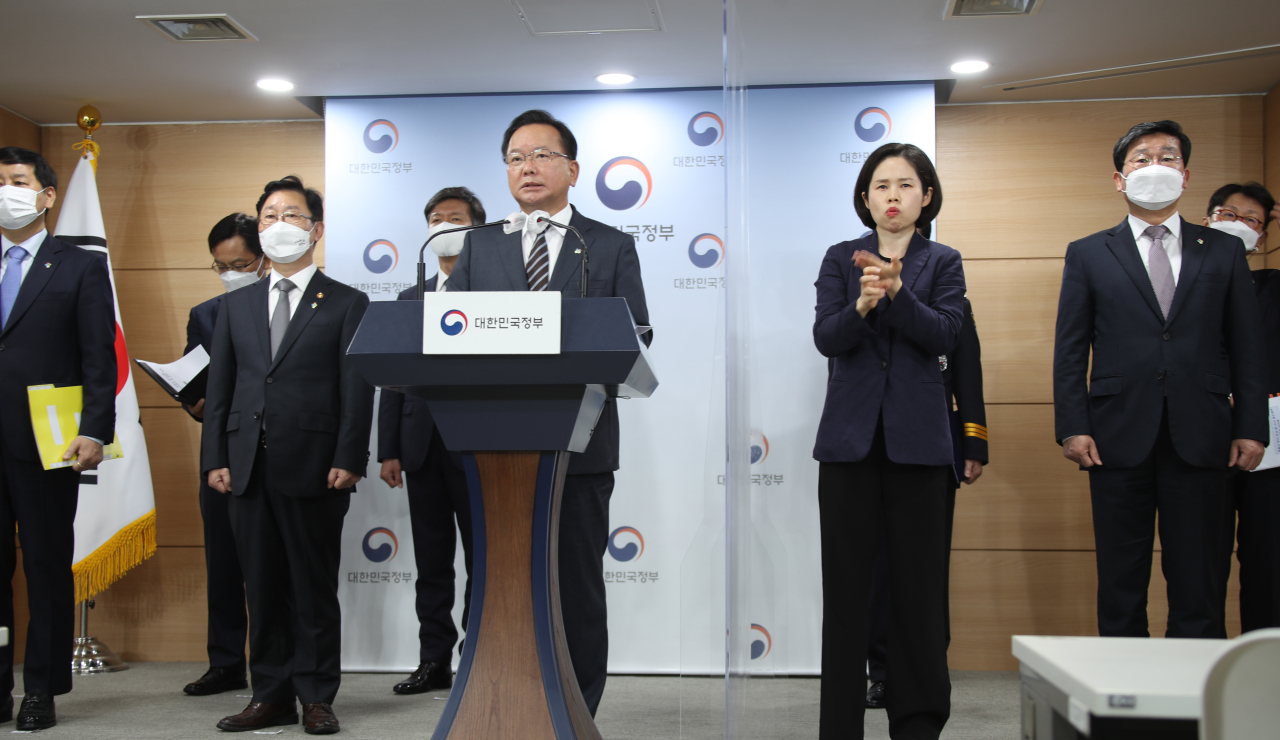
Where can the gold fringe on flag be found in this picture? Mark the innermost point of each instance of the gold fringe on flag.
(108, 564)
(86, 147)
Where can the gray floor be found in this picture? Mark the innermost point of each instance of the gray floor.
(146, 702)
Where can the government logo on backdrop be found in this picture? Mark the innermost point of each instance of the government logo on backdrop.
(713, 132)
(453, 323)
(385, 262)
(761, 647)
(759, 448)
(878, 129)
(388, 136)
(630, 550)
(631, 194)
(712, 257)
(383, 552)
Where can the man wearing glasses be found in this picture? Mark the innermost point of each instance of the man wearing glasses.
(287, 435)
(541, 157)
(1245, 210)
(239, 263)
(1167, 309)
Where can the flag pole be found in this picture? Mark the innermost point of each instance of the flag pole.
(89, 654)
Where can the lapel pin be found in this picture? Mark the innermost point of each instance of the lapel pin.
(578, 251)
(319, 295)
(48, 264)
(313, 305)
(1199, 241)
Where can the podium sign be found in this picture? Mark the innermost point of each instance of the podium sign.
(495, 323)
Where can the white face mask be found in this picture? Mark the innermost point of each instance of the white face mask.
(1153, 187)
(285, 243)
(1235, 228)
(447, 245)
(18, 207)
(233, 280)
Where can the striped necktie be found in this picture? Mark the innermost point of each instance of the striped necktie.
(538, 270)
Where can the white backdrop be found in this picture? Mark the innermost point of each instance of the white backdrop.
(652, 163)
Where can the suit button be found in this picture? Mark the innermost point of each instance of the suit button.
(269, 380)
(1160, 375)
(1, 347)
(1166, 336)
(256, 414)
(883, 364)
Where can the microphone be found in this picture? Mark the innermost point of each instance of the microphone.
(586, 265)
(422, 265)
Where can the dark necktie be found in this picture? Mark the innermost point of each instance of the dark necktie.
(1160, 269)
(280, 319)
(538, 269)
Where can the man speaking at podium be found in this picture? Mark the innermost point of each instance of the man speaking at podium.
(541, 156)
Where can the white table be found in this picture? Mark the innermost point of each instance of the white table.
(1112, 687)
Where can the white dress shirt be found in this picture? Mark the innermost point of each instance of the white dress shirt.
(300, 280)
(32, 246)
(441, 279)
(555, 239)
(1172, 242)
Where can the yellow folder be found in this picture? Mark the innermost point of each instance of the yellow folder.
(55, 417)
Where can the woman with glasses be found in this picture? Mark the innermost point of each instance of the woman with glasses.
(889, 304)
(238, 261)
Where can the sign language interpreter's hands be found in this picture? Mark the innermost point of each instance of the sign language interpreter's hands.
(889, 273)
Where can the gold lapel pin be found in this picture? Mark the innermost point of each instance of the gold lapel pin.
(319, 295)
(313, 305)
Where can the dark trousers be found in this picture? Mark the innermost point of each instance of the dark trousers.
(42, 503)
(1189, 501)
(1255, 497)
(438, 495)
(878, 639)
(289, 549)
(228, 621)
(860, 503)
(584, 537)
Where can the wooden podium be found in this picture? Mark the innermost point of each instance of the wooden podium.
(516, 418)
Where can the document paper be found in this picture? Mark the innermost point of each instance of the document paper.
(55, 418)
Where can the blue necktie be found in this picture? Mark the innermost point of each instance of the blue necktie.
(11, 283)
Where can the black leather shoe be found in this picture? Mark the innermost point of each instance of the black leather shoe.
(318, 719)
(875, 695)
(6, 708)
(36, 712)
(428, 677)
(216, 681)
(258, 716)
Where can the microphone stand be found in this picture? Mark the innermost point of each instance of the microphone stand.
(422, 265)
(586, 263)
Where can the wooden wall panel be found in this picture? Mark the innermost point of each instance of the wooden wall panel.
(1001, 593)
(1025, 180)
(164, 186)
(154, 307)
(18, 131)
(173, 444)
(1030, 497)
(1015, 305)
(1271, 136)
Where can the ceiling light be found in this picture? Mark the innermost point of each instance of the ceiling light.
(275, 85)
(199, 27)
(989, 8)
(970, 67)
(615, 78)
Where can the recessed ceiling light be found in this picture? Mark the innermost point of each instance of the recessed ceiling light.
(615, 78)
(970, 67)
(275, 85)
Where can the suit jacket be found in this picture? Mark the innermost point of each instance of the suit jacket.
(62, 330)
(886, 364)
(493, 260)
(962, 377)
(317, 407)
(1267, 285)
(1209, 346)
(200, 324)
(405, 425)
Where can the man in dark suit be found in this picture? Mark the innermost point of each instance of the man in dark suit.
(962, 381)
(239, 262)
(57, 326)
(1168, 310)
(287, 433)
(413, 454)
(541, 157)
(1245, 210)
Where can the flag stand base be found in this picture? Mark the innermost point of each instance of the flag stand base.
(90, 654)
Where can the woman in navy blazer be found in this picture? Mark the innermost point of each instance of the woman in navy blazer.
(889, 304)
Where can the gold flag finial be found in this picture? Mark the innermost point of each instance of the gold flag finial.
(89, 119)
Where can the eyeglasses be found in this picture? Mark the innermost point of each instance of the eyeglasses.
(539, 157)
(236, 266)
(1166, 160)
(293, 218)
(1226, 214)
